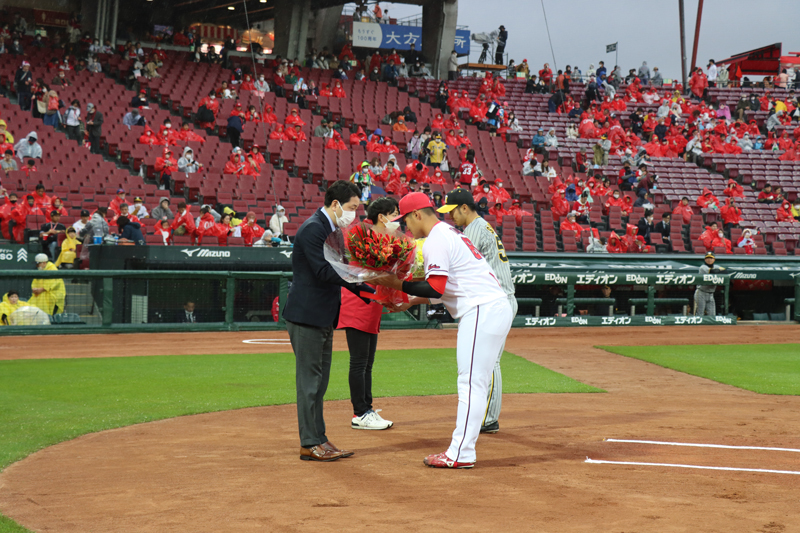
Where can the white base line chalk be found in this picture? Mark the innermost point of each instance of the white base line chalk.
(694, 445)
(267, 341)
(595, 461)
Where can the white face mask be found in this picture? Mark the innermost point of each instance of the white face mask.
(391, 227)
(346, 218)
(168, 126)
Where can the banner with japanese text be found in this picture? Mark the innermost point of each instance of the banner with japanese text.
(371, 35)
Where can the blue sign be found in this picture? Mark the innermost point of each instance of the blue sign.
(371, 35)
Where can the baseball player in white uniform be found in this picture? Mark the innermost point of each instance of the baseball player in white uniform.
(460, 204)
(457, 273)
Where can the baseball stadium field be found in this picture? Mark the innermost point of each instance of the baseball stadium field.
(625, 430)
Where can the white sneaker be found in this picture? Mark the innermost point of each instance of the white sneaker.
(370, 420)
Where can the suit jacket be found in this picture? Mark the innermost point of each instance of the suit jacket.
(663, 229)
(645, 229)
(182, 317)
(315, 295)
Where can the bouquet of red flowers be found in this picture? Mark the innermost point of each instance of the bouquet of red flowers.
(360, 253)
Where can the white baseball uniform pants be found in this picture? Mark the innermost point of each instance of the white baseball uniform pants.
(481, 333)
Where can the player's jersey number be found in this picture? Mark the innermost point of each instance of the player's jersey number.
(501, 250)
(471, 247)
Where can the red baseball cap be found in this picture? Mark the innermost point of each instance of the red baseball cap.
(413, 201)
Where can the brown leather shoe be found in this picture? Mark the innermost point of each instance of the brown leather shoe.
(319, 453)
(332, 447)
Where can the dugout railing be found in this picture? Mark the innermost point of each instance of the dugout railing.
(132, 301)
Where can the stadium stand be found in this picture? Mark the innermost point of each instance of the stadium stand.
(294, 174)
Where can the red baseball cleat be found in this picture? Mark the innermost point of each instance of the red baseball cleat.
(440, 460)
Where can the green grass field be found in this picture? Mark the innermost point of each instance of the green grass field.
(762, 368)
(48, 401)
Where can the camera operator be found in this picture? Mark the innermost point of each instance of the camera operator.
(502, 39)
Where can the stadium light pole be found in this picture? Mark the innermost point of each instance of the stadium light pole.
(697, 33)
(683, 44)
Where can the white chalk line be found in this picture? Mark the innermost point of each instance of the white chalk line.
(267, 341)
(699, 467)
(695, 445)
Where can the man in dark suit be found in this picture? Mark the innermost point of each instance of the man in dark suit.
(663, 227)
(311, 313)
(188, 315)
(646, 226)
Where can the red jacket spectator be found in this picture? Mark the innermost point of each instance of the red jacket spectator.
(569, 225)
(247, 84)
(498, 211)
(730, 213)
(518, 212)
(437, 178)
(236, 163)
(634, 243)
(19, 215)
(40, 198)
(296, 134)
(268, 117)
(338, 91)
(733, 190)
(5, 216)
(149, 137)
(336, 142)
(784, 213)
(117, 201)
(614, 201)
(616, 245)
(211, 103)
(386, 147)
(166, 164)
(707, 199)
(477, 110)
(358, 137)
(499, 194)
(684, 211)
(278, 134)
(416, 171)
(560, 206)
(294, 118)
(184, 218)
(721, 242)
(389, 174)
(167, 137)
(250, 230)
(257, 157)
(708, 236)
(188, 135)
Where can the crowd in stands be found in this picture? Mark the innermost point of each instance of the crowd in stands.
(637, 120)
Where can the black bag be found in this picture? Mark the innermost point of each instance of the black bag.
(204, 114)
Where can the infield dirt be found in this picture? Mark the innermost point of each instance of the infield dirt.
(239, 470)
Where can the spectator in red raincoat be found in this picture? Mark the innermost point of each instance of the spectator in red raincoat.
(116, 202)
(570, 226)
(733, 190)
(437, 178)
(251, 167)
(518, 212)
(358, 137)
(498, 211)
(336, 142)
(499, 194)
(183, 224)
(251, 231)
(398, 186)
(707, 237)
(256, 153)
(19, 215)
(477, 111)
(784, 213)
(166, 165)
(338, 91)
(747, 242)
(698, 83)
(390, 173)
(9, 204)
(683, 211)
(416, 171)
(236, 163)
(296, 134)
(294, 118)
(731, 214)
(560, 205)
(615, 200)
(707, 200)
(247, 84)
(149, 137)
(268, 117)
(278, 134)
(40, 197)
(387, 147)
(616, 245)
(211, 103)
(721, 242)
(438, 122)
(186, 134)
(634, 243)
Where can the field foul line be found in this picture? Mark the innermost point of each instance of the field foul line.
(695, 445)
(761, 470)
(266, 341)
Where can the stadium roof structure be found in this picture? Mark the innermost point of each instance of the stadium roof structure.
(764, 61)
